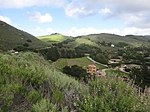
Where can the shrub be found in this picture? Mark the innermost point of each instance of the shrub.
(112, 95)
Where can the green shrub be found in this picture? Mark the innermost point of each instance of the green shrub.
(112, 95)
(44, 106)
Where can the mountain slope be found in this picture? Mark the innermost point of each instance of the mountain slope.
(131, 40)
(11, 37)
(53, 38)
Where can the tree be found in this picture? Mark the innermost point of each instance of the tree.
(75, 71)
(141, 76)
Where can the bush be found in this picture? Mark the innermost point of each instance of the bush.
(75, 71)
(112, 95)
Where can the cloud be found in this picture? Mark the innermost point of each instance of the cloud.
(38, 17)
(39, 31)
(125, 31)
(105, 11)
(133, 13)
(5, 19)
(85, 31)
(77, 10)
(30, 3)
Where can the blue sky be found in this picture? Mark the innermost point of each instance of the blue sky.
(78, 17)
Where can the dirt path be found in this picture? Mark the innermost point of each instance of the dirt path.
(96, 62)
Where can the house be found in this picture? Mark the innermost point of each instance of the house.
(112, 45)
(112, 61)
(133, 66)
(91, 69)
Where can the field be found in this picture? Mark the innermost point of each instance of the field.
(84, 62)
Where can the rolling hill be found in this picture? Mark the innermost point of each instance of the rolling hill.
(53, 38)
(102, 40)
(131, 40)
(11, 37)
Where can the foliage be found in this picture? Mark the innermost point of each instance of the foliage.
(75, 71)
(141, 76)
(30, 83)
(112, 95)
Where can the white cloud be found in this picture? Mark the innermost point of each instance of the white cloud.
(85, 31)
(38, 17)
(125, 31)
(77, 10)
(49, 30)
(133, 13)
(30, 3)
(38, 31)
(105, 11)
(5, 19)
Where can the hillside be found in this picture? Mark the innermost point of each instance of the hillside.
(131, 40)
(53, 38)
(28, 83)
(11, 37)
(103, 41)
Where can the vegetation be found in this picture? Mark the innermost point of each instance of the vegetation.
(26, 82)
(29, 83)
(112, 95)
(116, 73)
(75, 71)
(141, 76)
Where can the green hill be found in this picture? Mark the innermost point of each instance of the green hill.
(11, 37)
(105, 41)
(131, 40)
(53, 38)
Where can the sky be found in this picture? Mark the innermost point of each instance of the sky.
(77, 17)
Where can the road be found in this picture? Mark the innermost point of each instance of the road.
(96, 62)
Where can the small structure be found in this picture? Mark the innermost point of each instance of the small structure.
(111, 61)
(91, 69)
(132, 66)
(112, 45)
(13, 52)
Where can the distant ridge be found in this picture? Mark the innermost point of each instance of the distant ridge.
(11, 37)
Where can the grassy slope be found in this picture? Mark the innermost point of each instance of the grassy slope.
(55, 38)
(11, 37)
(84, 62)
(26, 79)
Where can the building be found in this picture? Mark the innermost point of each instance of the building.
(112, 61)
(91, 69)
